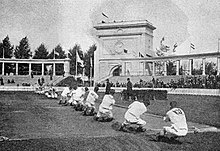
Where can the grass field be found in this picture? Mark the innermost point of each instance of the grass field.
(200, 109)
(33, 122)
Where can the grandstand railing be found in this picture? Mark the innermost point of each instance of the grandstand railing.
(179, 91)
(17, 88)
(211, 92)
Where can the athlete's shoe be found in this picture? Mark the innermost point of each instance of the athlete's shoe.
(159, 138)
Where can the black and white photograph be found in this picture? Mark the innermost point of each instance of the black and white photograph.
(109, 75)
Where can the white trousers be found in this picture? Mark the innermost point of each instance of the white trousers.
(103, 112)
(130, 118)
(176, 131)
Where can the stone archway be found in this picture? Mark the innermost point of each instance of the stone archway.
(115, 70)
(121, 40)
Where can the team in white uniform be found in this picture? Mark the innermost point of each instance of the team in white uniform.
(134, 112)
(64, 95)
(91, 98)
(105, 108)
(133, 115)
(178, 122)
(77, 96)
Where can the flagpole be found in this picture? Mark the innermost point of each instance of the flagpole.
(218, 44)
(76, 62)
(54, 54)
(91, 71)
(190, 45)
(190, 48)
(3, 52)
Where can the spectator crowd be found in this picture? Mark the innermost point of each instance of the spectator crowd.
(201, 82)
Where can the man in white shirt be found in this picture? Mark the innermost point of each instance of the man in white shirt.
(178, 122)
(90, 101)
(105, 108)
(133, 116)
(64, 95)
(77, 98)
(70, 96)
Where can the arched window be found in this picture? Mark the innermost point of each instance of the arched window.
(117, 71)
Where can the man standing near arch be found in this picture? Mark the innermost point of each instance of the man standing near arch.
(108, 87)
(129, 90)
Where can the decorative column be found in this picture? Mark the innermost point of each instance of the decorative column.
(42, 69)
(96, 67)
(123, 68)
(54, 70)
(3, 68)
(165, 68)
(218, 65)
(143, 63)
(143, 41)
(29, 68)
(203, 66)
(153, 72)
(177, 67)
(16, 69)
(190, 67)
(67, 67)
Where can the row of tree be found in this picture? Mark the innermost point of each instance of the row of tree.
(23, 51)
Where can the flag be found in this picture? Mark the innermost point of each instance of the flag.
(49, 69)
(140, 55)
(104, 15)
(68, 54)
(148, 55)
(91, 62)
(78, 59)
(192, 46)
(174, 47)
(55, 53)
(162, 40)
(125, 51)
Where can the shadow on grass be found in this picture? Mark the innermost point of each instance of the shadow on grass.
(172, 141)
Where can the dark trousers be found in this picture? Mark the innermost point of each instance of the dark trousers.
(129, 94)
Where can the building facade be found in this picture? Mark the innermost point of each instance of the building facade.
(126, 49)
(12, 66)
(119, 41)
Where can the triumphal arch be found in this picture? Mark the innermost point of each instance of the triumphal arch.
(119, 41)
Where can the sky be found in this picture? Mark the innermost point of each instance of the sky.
(70, 22)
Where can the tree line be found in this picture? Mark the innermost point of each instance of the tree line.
(23, 51)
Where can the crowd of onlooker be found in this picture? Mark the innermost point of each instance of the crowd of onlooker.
(9, 81)
(41, 81)
(12, 81)
(1, 81)
(206, 82)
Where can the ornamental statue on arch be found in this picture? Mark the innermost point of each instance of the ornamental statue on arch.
(120, 48)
